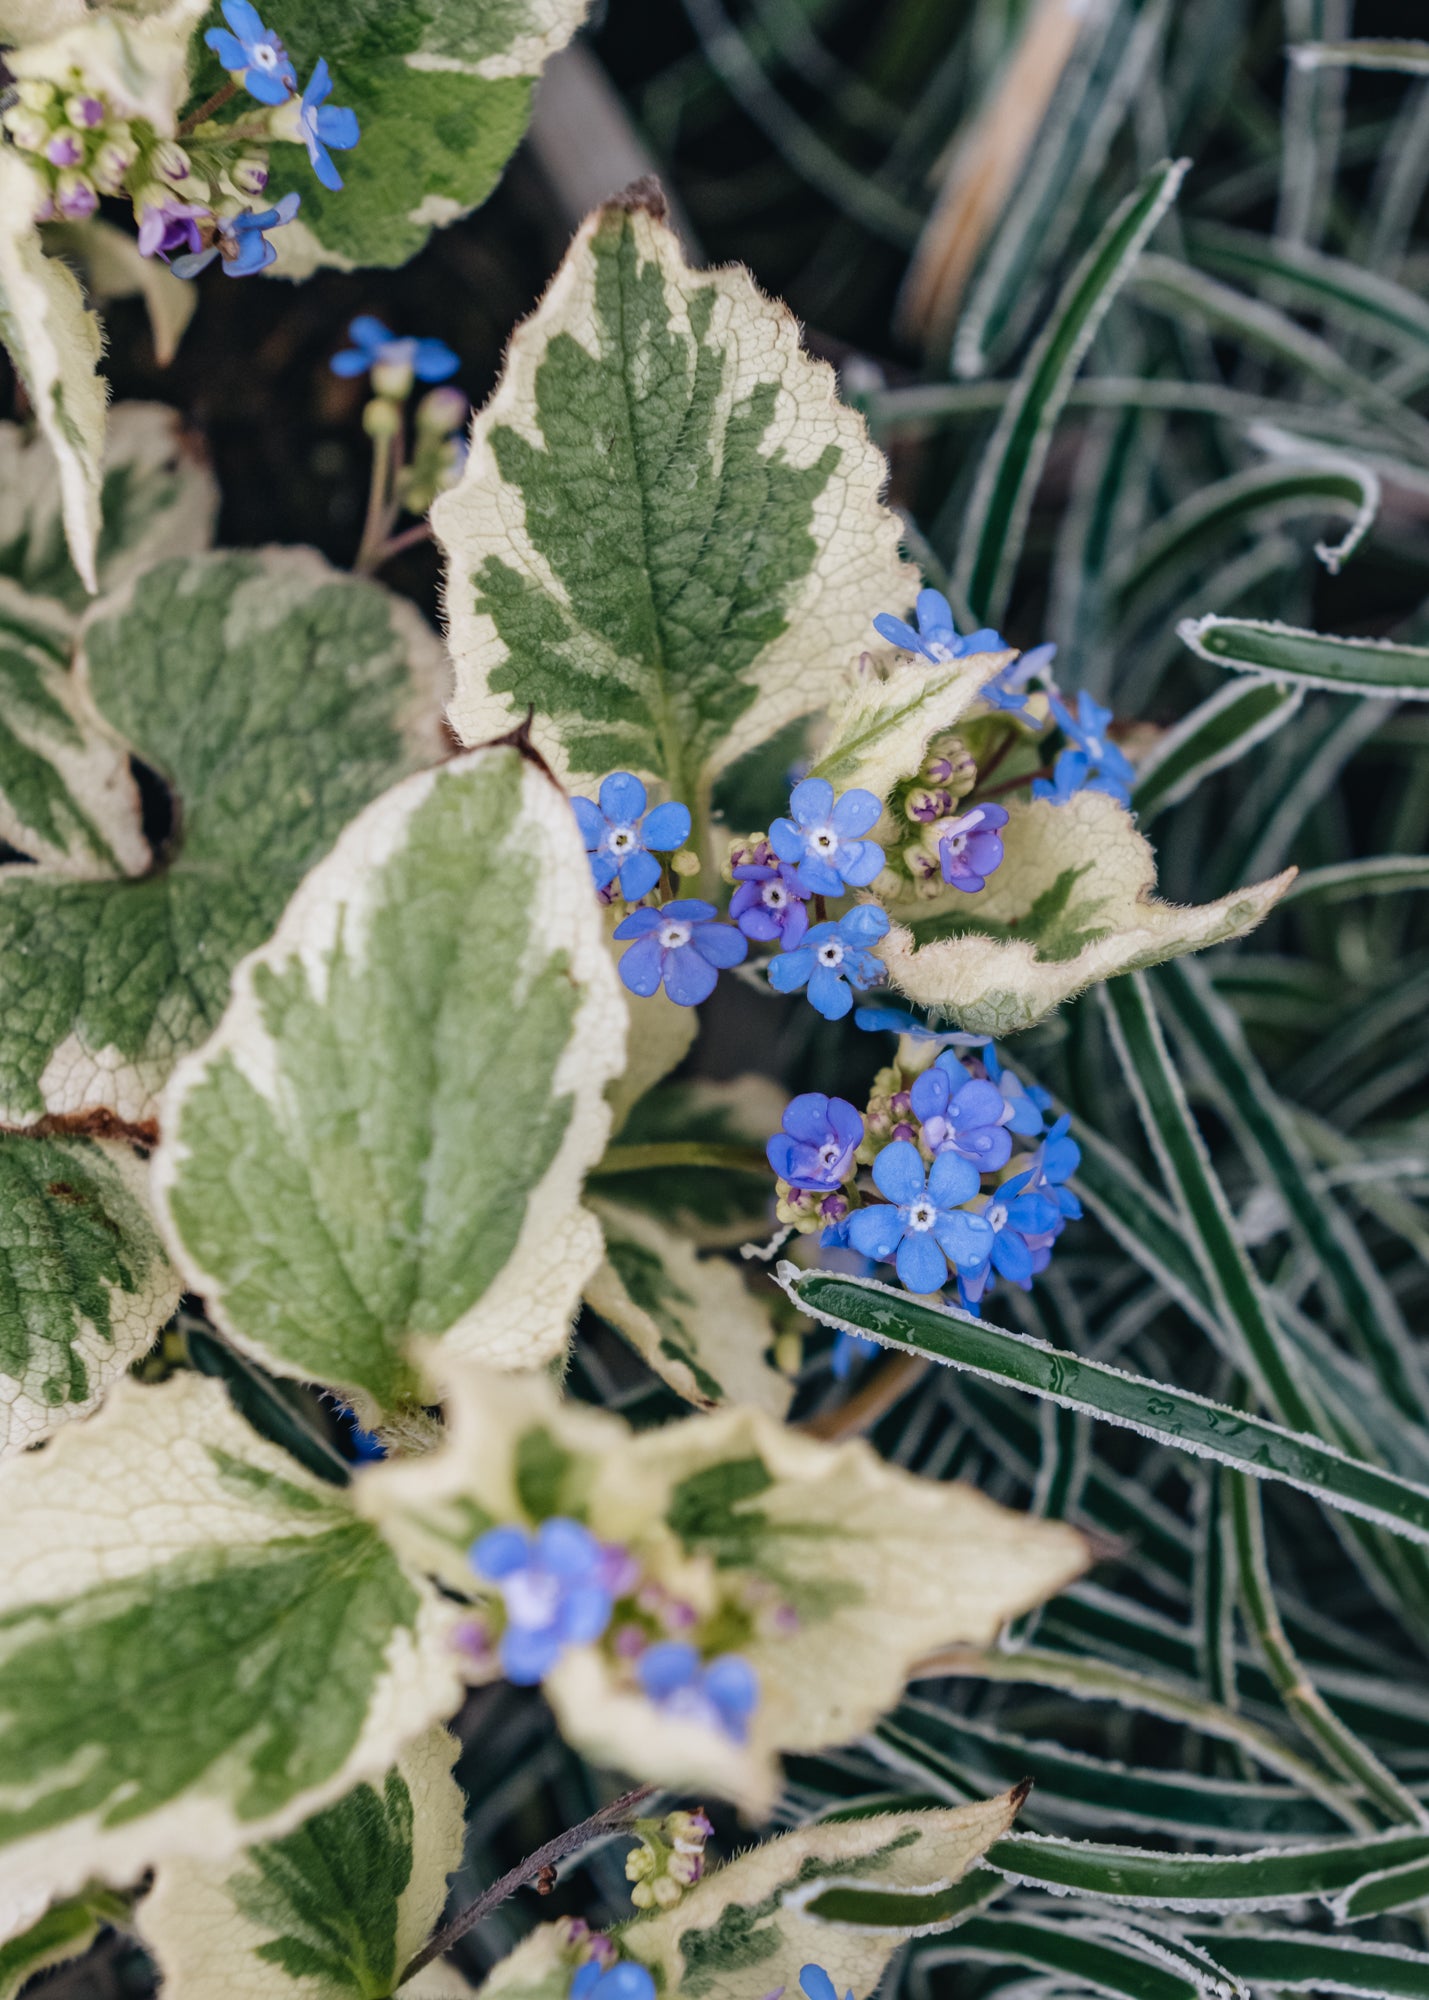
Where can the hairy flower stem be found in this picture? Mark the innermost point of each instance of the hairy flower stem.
(1011, 784)
(618, 1817)
(208, 107)
(382, 507)
(996, 758)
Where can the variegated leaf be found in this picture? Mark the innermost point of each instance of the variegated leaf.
(385, 1138)
(85, 1286)
(200, 1643)
(276, 697)
(816, 1552)
(58, 1934)
(692, 1319)
(442, 93)
(747, 1930)
(668, 538)
(135, 57)
(54, 343)
(1071, 904)
(331, 1911)
(157, 499)
(880, 730)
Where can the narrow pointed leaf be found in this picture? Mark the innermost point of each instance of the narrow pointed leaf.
(1290, 1962)
(1311, 659)
(417, 1060)
(668, 538)
(1235, 719)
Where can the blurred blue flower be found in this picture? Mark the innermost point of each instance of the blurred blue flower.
(623, 1981)
(722, 1695)
(682, 946)
(833, 957)
(1008, 688)
(322, 126)
(557, 1589)
(619, 834)
(823, 840)
(898, 1021)
(1054, 1163)
(241, 242)
(1092, 763)
(925, 1228)
(375, 345)
(1026, 1103)
(817, 1985)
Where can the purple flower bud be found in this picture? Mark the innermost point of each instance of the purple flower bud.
(250, 175)
(75, 198)
(85, 112)
(833, 1208)
(924, 805)
(901, 1103)
(65, 149)
(27, 128)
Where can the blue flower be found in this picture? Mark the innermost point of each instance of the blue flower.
(815, 1149)
(769, 903)
(241, 243)
(556, 1585)
(322, 125)
(1054, 1162)
(898, 1021)
(618, 839)
(373, 344)
(964, 1117)
(625, 1981)
(1093, 764)
(971, 849)
(1023, 1225)
(936, 636)
(926, 1228)
(1026, 1104)
(1008, 689)
(253, 53)
(682, 946)
(832, 954)
(823, 838)
(817, 1985)
(722, 1695)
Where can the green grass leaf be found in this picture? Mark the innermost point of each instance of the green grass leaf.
(1381, 667)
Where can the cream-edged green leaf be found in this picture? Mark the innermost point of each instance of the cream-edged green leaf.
(157, 499)
(748, 1928)
(114, 268)
(793, 1552)
(276, 697)
(880, 730)
(54, 342)
(1071, 904)
(692, 1319)
(57, 1935)
(135, 57)
(331, 1911)
(385, 1138)
(442, 93)
(200, 1643)
(668, 538)
(85, 1286)
(67, 796)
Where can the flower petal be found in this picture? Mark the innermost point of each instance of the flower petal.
(863, 925)
(1011, 1256)
(829, 992)
(434, 361)
(789, 972)
(897, 632)
(589, 817)
(640, 969)
(622, 798)
(817, 878)
(667, 1666)
(898, 1173)
(786, 840)
(639, 923)
(688, 977)
(875, 1232)
(500, 1551)
(812, 801)
(638, 876)
(931, 1091)
(859, 862)
(796, 922)
(667, 827)
(689, 910)
(844, 1122)
(806, 1117)
(922, 1267)
(720, 944)
(966, 1239)
(976, 1103)
(855, 813)
(952, 1179)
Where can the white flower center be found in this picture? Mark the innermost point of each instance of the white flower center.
(921, 1216)
(823, 840)
(265, 56)
(939, 649)
(672, 936)
(997, 1215)
(621, 839)
(831, 954)
(532, 1598)
(1094, 748)
(828, 1154)
(775, 895)
(955, 843)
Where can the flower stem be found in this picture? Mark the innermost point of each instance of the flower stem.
(1011, 784)
(408, 539)
(381, 512)
(617, 1817)
(208, 107)
(995, 759)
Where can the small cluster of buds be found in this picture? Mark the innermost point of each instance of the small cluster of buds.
(949, 773)
(806, 1210)
(580, 1945)
(669, 1859)
(747, 850)
(77, 147)
(889, 1114)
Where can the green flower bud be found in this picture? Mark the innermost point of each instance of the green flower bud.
(27, 128)
(393, 379)
(442, 411)
(381, 419)
(35, 93)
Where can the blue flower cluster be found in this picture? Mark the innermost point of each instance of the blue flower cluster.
(955, 1207)
(1092, 762)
